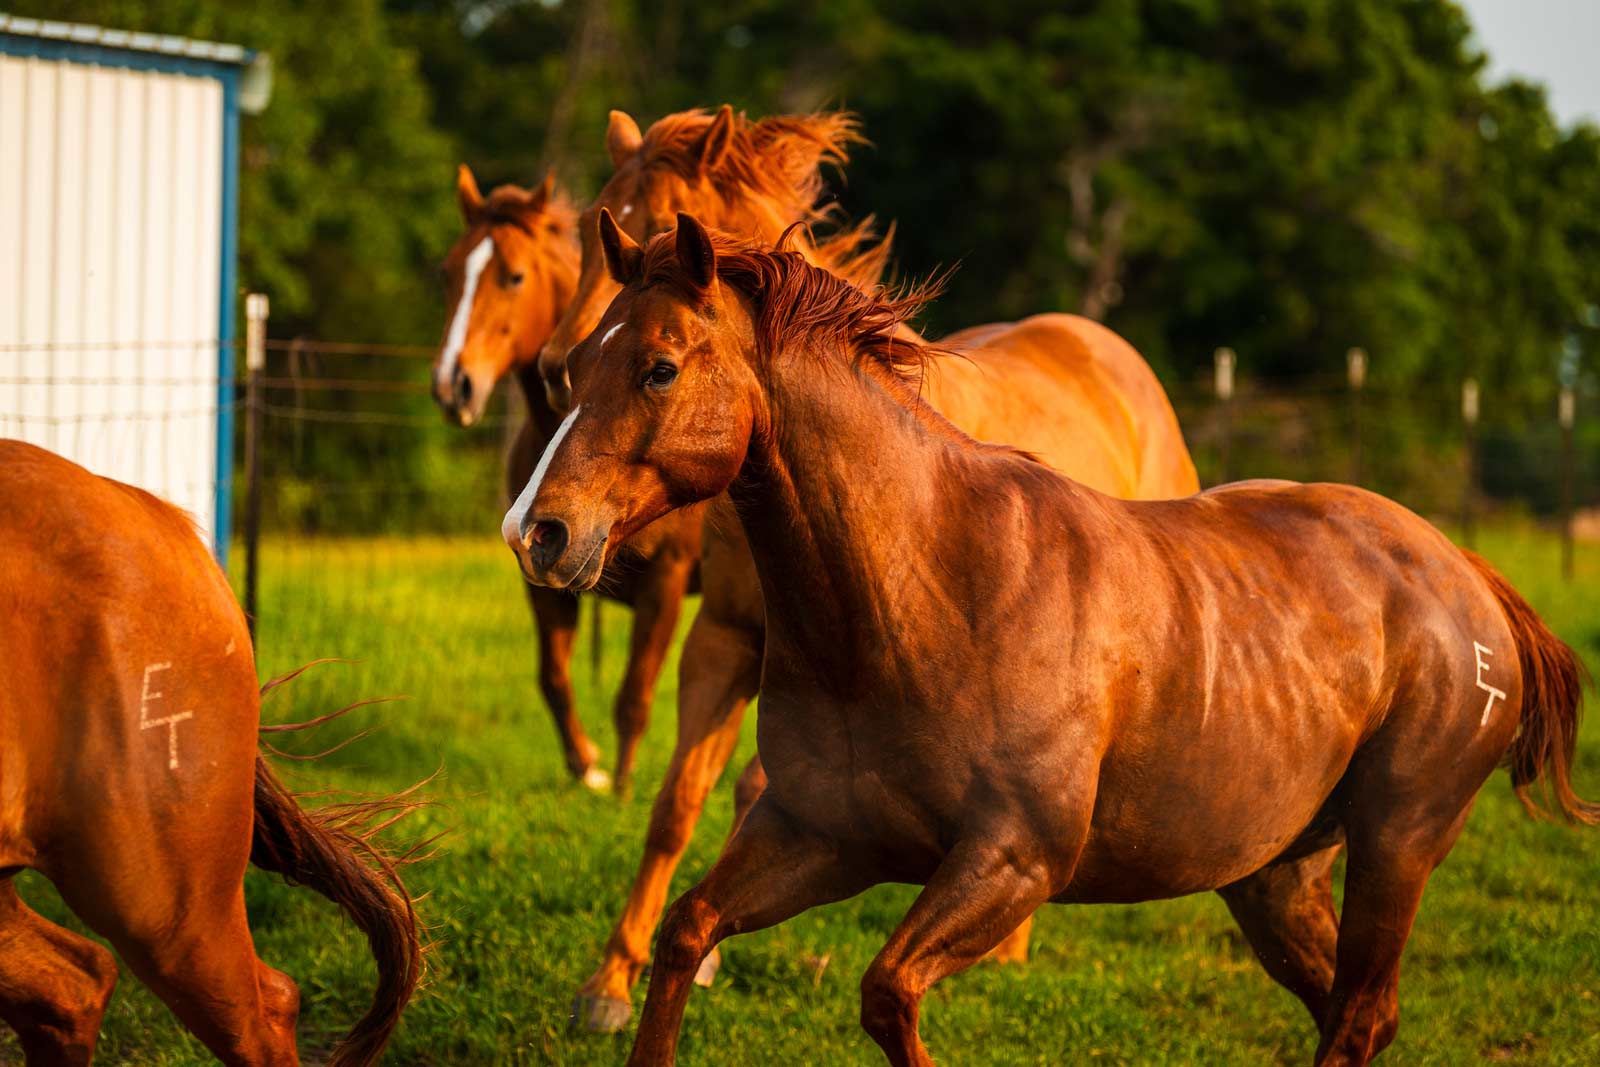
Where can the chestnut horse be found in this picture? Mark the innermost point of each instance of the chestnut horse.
(995, 682)
(129, 777)
(1060, 385)
(508, 279)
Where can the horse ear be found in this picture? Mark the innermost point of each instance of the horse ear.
(622, 253)
(467, 194)
(696, 254)
(541, 195)
(719, 135)
(622, 137)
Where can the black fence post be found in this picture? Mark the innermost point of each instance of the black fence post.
(255, 358)
(1566, 412)
(1469, 419)
(1356, 368)
(1225, 360)
(597, 641)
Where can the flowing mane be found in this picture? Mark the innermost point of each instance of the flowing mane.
(798, 304)
(777, 159)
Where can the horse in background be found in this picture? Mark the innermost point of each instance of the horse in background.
(989, 680)
(1059, 385)
(508, 279)
(130, 777)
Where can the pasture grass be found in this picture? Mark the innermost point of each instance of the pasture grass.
(1503, 967)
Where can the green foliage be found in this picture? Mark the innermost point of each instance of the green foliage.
(1286, 177)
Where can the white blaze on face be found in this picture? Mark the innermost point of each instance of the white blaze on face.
(511, 528)
(608, 334)
(456, 339)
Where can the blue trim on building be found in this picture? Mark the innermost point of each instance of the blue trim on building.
(228, 75)
(227, 273)
(101, 55)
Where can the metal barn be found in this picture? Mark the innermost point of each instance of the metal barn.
(118, 203)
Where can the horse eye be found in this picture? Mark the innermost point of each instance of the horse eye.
(514, 279)
(661, 375)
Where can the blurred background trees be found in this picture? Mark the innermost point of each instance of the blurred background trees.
(1287, 177)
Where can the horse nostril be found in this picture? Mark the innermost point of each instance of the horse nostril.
(547, 540)
(463, 389)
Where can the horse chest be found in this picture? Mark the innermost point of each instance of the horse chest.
(833, 767)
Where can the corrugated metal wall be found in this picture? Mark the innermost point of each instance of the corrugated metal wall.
(110, 252)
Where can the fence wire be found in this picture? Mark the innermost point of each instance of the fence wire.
(364, 489)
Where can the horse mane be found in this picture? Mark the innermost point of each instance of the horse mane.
(509, 205)
(799, 305)
(777, 159)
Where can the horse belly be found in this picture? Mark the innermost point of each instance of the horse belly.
(1198, 816)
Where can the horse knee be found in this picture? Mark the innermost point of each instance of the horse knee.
(64, 1025)
(280, 1001)
(888, 1008)
(685, 936)
(1388, 1021)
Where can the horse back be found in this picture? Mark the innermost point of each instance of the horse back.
(1073, 393)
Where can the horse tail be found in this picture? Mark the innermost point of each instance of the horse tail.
(1552, 703)
(332, 850)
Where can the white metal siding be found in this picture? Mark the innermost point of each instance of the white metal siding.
(110, 253)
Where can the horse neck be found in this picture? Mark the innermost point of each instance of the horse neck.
(842, 499)
(560, 275)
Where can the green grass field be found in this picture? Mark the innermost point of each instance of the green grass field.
(1503, 967)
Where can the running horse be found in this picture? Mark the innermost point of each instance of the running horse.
(992, 681)
(509, 278)
(1059, 385)
(130, 778)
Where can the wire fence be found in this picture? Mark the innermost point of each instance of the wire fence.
(345, 475)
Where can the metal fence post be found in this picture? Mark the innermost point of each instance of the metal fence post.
(1225, 360)
(255, 360)
(597, 641)
(1469, 418)
(1356, 368)
(1566, 412)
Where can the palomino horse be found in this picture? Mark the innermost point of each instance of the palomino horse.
(129, 776)
(508, 278)
(1061, 386)
(992, 681)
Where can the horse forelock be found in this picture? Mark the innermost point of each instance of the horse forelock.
(772, 166)
(509, 205)
(801, 306)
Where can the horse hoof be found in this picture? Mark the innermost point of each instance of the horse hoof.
(597, 780)
(600, 1015)
(708, 969)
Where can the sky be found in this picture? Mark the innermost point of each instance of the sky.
(1556, 42)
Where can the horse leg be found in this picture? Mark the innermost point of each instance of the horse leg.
(1383, 890)
(1014, 947)
(977, 897)
(189, 942)
(1286, 912)
(655, 616)
(772, 869)
(54, 985)
(747, 790)
(555, 616)
(718, 673)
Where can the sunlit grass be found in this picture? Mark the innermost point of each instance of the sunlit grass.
(1504, 965)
